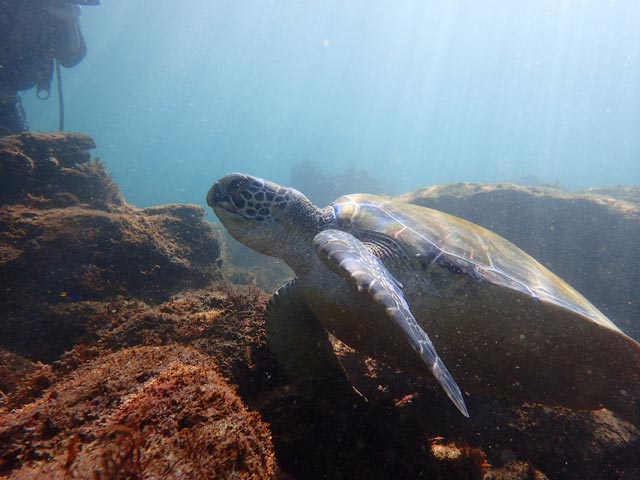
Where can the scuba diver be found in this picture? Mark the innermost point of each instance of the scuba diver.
(35, 37)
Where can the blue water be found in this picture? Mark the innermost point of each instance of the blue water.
(177, 94)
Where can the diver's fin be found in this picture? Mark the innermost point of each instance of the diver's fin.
(298, 341)
(349, 257)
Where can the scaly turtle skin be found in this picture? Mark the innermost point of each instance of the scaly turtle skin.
(378, 274)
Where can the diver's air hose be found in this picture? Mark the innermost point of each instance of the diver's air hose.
(60, 98)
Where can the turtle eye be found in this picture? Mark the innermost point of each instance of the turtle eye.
(233, 185)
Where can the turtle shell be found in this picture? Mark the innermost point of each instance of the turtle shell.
(522, 332)
(461, 245)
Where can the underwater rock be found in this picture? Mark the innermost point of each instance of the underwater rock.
(143, 412)
(319, 430)
(515, 471)
(88, 254)
(67, 238)
(53, 261)
(223, 323)
(52, 170)
(626, 193)
(21, 380)
(560, 442)
(587, 239)
(553, 441)
(84, 275)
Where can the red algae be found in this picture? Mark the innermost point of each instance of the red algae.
(143, 412)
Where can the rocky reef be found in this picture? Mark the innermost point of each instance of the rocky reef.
(127, 351)
(68, 238)
(88, 387)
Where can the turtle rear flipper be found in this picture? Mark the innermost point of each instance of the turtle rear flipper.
(298, 341)
(347, 256)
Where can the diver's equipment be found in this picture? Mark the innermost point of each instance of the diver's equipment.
(69, 48)
(60, 98)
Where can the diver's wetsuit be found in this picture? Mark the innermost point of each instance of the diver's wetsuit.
(32, 34)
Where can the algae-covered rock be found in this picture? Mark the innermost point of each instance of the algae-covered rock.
(588, 239)
(100, 291)
(144, 412)
(57, 260)
(627, 193)
(515, 471)
(50, 170)
(67, 237)
(89, 253)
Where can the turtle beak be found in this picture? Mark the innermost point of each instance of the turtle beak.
(221, 202)
(216, 196)
(226, 190)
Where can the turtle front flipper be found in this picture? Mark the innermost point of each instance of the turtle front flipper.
(298, 341)
(347, 256)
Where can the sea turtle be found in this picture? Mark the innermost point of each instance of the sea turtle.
(378, 274)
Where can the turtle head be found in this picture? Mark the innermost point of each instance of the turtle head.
(263, 215)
